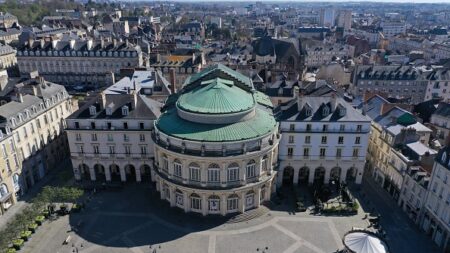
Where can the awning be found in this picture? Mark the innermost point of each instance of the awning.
(364, 242)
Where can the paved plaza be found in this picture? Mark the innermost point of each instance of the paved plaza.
(135, 220)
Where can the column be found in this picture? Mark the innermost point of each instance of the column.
(203, 174)
(242, 172)
(123, 176)
(269, 162)
(204, 205)
(108, 174)
(172, 196)
(223, 174)
(311, 176)
(170, 169)
(223, 205)
(138, 174)
(241, 204)
(327, 176)
(92, 173)
(186, 202)
(258, 197)
(343, 175)
(295, 177)
(161, 190)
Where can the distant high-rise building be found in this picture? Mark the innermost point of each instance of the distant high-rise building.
(345, 19)
(327, 17)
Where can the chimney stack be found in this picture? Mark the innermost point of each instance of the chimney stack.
(333, 102)
(172, 80)
(72, 44)
(89, 44)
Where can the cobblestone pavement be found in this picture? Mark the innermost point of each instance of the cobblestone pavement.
(135, 220)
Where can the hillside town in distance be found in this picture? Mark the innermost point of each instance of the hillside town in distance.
(224, 127)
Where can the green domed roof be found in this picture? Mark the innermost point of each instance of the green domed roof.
(216, 96)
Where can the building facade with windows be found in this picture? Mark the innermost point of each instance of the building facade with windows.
(324, 139)
(110, 136)
(216, 144)
(78, 62)
(435, 220)
(400, 81)
(33, 139)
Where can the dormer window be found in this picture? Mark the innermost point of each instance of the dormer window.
(125, 110)
(342, 111)
(444, 157)
(325, 111)
(92, 110)
(108, 111)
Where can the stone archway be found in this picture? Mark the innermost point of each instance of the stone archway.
(115, 173)
(130, 173)
(335, 174)
(319, 175)
(84, 172)
(99, 172)
(146, 173)
(303, 175)
(350, 177)
(288, 175)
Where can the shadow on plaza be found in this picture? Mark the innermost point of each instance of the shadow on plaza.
(136, 212)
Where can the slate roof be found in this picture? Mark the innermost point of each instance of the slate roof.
(268, 46)
(317, 105)
(373, 106)
(443, 110)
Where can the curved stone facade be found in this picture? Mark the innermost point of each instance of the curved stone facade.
(216, 184)
(216, 159)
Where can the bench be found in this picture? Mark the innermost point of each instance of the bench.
(67, 239)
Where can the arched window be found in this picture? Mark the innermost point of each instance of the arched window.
(179, 199)
(264, 164)
(3, 190)
(251, 169)
(194, 172)
(196, 202)
(233, 172)
(213, 173)
(249, 199)
(125, 110)
(214, 203)
(165, 163)
(233, 203)
(177, 168)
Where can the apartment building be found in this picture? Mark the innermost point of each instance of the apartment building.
(323, 139)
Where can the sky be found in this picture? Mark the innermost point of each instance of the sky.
(340, 1)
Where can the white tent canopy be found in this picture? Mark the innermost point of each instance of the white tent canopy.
(363, 242)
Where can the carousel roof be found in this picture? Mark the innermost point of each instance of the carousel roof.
(364, 242)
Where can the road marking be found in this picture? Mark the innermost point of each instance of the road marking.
(293, 247)
(131, 245)
(212, 244)
(297, 238)
(336, 236)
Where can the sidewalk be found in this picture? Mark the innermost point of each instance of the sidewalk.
(25, 200)
(403, 234)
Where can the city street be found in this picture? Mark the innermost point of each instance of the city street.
(403, 234)
(135, 220)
